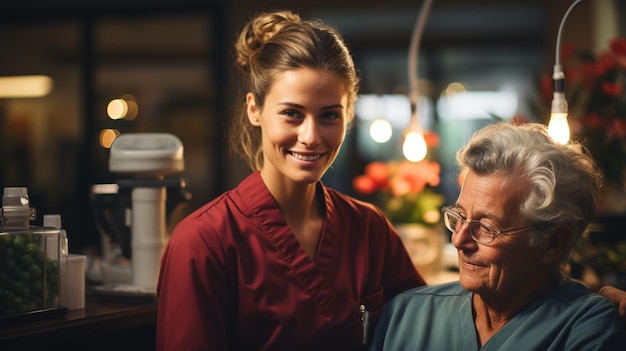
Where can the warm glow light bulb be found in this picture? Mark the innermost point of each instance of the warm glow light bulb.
(380, 130)
(117, 109)
(414, 147)
(558, 127)
(107, 136)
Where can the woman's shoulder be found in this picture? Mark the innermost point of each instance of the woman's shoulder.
(232, 200)
(203, 219)
(215, 215)
(350, 203)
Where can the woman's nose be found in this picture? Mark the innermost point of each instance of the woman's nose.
(309, 132)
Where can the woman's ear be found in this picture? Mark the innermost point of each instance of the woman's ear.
(557, 245)
(253, 110)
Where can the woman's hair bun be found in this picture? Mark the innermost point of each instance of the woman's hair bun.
(259, 31)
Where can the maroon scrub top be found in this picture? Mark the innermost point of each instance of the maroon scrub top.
(234, 277)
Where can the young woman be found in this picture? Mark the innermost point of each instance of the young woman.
(281, 261)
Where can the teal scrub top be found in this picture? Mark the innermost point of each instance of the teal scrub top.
(439, 317)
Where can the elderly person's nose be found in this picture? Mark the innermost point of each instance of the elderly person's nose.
(462, 238)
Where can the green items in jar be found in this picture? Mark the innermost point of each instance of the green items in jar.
(29, 272)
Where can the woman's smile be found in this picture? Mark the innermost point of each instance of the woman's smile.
(306, 156)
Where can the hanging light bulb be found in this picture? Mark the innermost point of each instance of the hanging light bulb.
(380, 130)
(558, 127)
(414, 146)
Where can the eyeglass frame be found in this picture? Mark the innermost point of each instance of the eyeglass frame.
(448, 210)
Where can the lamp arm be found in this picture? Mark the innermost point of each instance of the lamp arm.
(414, 51)
(558, 36)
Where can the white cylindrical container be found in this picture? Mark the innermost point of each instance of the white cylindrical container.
(148, 235)
(75, 287)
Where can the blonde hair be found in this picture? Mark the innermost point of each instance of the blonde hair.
(272, 43)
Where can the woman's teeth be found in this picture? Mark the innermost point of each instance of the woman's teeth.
(306, 157)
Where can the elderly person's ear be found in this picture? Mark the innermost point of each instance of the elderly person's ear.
(557, 245)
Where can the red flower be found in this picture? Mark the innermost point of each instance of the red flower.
(364, 185)
(606, 62)
(379, 172)
(616, 129)
(618, 46)
(432, 139)
(613, 90)
(590, 72)
(592, 120)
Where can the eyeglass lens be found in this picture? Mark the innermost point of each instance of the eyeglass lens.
(477, 230)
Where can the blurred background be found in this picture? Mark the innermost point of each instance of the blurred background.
(169, 62)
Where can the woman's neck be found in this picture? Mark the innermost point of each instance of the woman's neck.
(303, 210)
(292, 197)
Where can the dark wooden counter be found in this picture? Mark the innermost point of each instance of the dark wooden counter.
(105, 324)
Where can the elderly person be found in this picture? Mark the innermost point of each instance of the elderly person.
(524, 202)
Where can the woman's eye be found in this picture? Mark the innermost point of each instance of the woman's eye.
(291, 113)
(330, 116)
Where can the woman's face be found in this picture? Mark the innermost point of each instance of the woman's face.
(508, 265)
(303, 124)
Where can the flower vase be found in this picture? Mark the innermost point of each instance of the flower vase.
(424, 245)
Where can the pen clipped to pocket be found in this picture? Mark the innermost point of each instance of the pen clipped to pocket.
(365, 319)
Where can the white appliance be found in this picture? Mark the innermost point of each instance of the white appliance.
(144, 161)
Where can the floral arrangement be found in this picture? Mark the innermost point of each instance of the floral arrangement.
(404, 190)
(597, 103)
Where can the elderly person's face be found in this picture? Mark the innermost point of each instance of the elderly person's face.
(508, 265)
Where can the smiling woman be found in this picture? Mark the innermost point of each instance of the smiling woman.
(282, 261)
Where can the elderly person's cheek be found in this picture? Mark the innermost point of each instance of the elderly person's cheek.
(509, 264)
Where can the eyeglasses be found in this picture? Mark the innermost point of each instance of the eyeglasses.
(481, 232)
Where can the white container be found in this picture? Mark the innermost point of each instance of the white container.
(75, 287)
